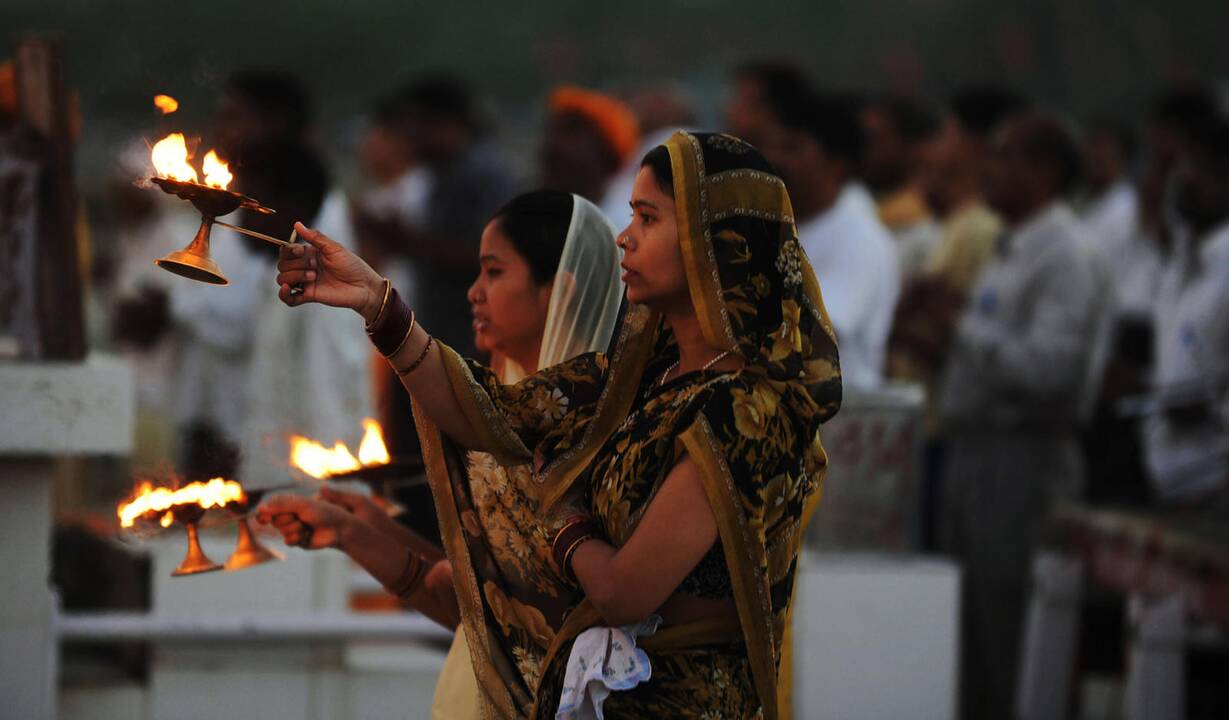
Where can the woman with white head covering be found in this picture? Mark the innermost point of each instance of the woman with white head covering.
(548, 290)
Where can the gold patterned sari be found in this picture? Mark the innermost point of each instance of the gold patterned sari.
(603, 435)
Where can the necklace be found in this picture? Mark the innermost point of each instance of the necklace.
(718, 358)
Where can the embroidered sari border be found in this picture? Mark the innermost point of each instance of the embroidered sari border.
(487, 422)
(749, 193)
(626, 367)
(496, 696)
(703, 282)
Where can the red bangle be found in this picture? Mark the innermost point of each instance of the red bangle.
(390, 331)
(568, 539)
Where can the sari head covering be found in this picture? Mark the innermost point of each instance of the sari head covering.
(753, 434)
(585, 298)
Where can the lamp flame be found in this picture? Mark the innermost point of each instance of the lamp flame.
(372, 451)
(166, 104)
(319, 461)
(170, 158)
(217, 174)
(149, 499)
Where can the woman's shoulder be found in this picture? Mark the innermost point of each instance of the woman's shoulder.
(755, 419)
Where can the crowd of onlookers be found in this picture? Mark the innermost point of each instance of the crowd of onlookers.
(1061, 289)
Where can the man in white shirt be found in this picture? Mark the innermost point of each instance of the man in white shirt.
(1186, 441)
(817, 143)
(1109, 209)
(245, 375)
(897, 131)
(1011, 397)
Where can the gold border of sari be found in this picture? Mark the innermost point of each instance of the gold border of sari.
(631, 354)
(492, 428)
(496, 700)
(785, 672)
(703, 282)
(744, 559)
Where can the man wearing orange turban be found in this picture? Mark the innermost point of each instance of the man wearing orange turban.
(589, 137)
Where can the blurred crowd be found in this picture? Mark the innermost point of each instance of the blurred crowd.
(1059, 287)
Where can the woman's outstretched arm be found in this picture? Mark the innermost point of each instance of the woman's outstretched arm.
(332, 275)
(313, 525)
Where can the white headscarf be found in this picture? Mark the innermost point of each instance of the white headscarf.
(584, 303)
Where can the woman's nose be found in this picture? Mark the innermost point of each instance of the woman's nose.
(473, 293)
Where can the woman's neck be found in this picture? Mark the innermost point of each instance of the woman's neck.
(694, 350)
(527, 357)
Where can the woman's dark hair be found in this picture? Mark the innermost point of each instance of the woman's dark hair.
(658, 162)
(537, 225)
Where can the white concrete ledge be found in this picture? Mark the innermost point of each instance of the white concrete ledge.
(62, 408)
(303, 627)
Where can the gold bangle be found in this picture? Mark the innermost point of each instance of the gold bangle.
(388, 288)
(566, 570)
(422, 356)
(409, 577)
(404, 340)
(573, 520)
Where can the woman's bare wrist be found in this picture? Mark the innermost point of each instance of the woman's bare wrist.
(350, 532)
(374, 300)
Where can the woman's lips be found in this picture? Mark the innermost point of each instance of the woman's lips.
(628, 273)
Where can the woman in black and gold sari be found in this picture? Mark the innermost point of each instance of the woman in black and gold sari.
(674, 474)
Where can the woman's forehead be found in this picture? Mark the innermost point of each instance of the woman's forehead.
(647, 191)
(495, 245)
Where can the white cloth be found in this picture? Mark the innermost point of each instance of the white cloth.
(310, 369)
(1111, 217)
(1192, 364)
(855, 260)
(1131, 257)
(603, 659)
(139, 245)
(916, 243)
(404, 200)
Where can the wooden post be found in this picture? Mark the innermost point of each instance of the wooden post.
(43, 106)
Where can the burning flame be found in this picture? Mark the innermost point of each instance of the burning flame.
(149, 499)
(216, 173)
(371, 451)
(166, 104)
(170, 158)
(321, 462)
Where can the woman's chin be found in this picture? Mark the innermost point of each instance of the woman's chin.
(638, 296)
